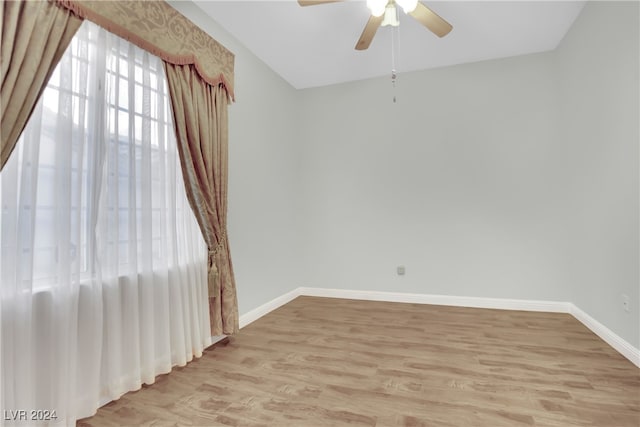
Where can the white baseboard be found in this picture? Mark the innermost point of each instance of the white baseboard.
(216, 338)
(476, 302)
(607, 335)
(258, 312)
(611, 338)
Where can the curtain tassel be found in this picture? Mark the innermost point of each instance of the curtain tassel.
(213, 278)
(213, 282)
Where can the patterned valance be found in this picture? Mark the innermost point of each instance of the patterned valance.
(158, 28)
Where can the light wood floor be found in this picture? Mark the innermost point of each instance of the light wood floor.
(333, 362)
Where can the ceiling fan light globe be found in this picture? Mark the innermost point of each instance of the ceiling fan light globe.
(407, 5)
(377, 7)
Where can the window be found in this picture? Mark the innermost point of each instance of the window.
(97, 173)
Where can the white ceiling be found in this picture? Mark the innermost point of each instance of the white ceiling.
(314, 46)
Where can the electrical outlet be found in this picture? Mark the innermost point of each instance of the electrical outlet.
(400, 270)
(626, 302)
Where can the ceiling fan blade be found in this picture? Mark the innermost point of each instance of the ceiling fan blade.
(431, 20)
(315, 2)
(369, 31)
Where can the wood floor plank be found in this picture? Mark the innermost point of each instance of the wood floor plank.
(331, 362)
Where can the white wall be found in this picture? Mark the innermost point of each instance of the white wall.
(456, 181)
(598, 64)
(264, 221)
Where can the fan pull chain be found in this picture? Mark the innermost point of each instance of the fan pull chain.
(393, 83)
(394, 74)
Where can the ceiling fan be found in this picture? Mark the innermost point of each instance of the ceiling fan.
(383, 12)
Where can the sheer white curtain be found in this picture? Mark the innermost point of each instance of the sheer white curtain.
(103, 267)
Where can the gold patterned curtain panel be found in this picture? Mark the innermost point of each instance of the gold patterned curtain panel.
(200, 119)
(35, 35)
